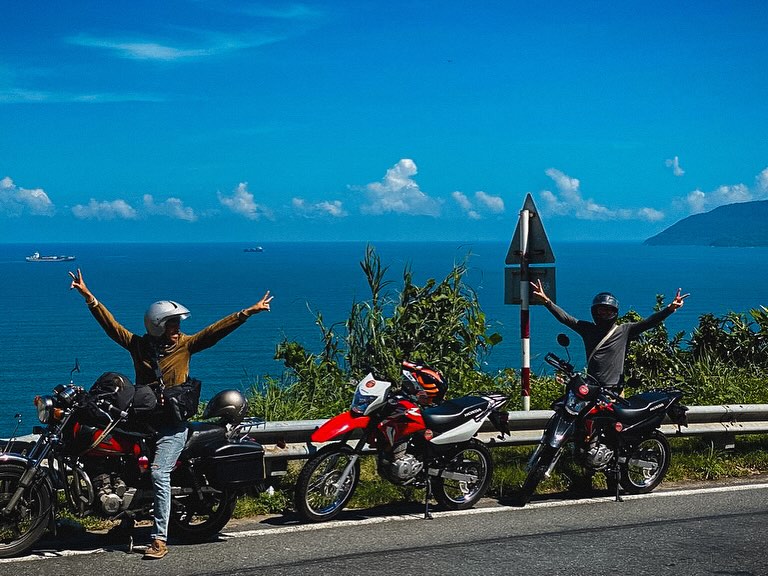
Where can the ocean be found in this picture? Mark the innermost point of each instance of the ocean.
(45, 326)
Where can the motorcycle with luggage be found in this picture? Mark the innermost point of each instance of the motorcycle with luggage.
(92, 458)
(418, 440)
(608, 433)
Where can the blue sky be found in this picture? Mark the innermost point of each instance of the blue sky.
(266, 121)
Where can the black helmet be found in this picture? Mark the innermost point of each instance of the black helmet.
(605, 299)
(229, 405)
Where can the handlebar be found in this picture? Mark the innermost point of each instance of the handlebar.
(558, 363)
(112, 410)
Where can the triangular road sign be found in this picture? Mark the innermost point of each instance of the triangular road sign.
(539, 250)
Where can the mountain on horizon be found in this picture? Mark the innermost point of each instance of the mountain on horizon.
(744, 224)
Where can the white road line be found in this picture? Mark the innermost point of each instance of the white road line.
(489, 510)
(49, 554)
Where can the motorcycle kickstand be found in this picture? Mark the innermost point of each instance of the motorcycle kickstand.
(616, 476)
(427, 497)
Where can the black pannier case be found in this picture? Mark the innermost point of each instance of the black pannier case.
(236, 465)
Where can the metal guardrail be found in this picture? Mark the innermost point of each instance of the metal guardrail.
(290, 439)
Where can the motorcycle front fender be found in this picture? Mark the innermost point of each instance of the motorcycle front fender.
(339, 425)
(30, 476)
(559, 430)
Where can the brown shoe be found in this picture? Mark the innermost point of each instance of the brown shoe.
(156, 550)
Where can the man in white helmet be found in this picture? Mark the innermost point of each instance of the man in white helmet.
(165, 346)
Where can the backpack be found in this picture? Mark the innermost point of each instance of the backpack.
(110, 388)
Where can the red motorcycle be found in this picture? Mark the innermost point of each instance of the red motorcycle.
(88, 450)
(430, 447)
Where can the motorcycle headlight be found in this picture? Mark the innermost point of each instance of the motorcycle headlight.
(573, 404)
(44, 405)
(361, 401)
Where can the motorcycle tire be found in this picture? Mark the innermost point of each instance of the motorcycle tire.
(538, 467)
(317, 497)
(472, 458)
(21, 530)
(196, 520)
(646, 464)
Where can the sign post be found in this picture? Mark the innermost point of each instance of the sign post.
(529, 247)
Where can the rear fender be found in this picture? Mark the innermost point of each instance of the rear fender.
(339, 426)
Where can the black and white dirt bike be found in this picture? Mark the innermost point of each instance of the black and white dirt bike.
(103, 469)
(611, 434)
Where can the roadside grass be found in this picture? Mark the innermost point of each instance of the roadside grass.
(693, 460)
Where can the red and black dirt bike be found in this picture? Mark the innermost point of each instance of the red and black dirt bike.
(611, 434)
(432, 447)
(87, 451)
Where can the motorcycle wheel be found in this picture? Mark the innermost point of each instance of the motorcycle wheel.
(197, 520)
(646, 464)
(539, 465)
(473, 458)
(318, 497)
(28, 522)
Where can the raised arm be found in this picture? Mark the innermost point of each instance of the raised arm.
(79, 284)
(260, 306)
(209, 336)
(112, 327)
(658, 317)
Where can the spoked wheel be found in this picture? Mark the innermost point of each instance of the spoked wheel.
(646, 464)
(465, 478)
(23, 527)
(196, 520)
(537, 467)
(326, 483)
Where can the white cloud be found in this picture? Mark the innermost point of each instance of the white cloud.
(15, 201)
(399, 193)
(172, 207)
(487, 202)
(493, 203)
(332, 208)
(105, 210)
(674, 163)
(569, 202)
(203, 44)
(761, 184)
(699, 201)
(242, 202)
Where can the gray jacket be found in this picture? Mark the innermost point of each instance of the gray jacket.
(607, 364)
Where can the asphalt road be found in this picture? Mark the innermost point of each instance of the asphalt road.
(713, 530)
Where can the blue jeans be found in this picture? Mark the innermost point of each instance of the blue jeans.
(170, 443)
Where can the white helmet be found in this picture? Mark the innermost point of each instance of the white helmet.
(160, 312)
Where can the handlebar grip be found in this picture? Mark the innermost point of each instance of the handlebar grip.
(112, 410)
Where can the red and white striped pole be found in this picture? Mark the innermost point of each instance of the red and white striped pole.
(525, 319)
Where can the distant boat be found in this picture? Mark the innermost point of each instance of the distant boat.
(254, 249)
(37, 258)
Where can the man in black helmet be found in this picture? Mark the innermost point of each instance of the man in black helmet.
(605, 341)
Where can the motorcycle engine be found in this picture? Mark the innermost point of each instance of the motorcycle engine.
(109, 493)
(598, 454)
(398, 466)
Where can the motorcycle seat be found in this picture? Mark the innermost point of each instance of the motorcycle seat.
(636, 408)
(203, 438)
(445, 414)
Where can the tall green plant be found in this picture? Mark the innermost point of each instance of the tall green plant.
(438, 323)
